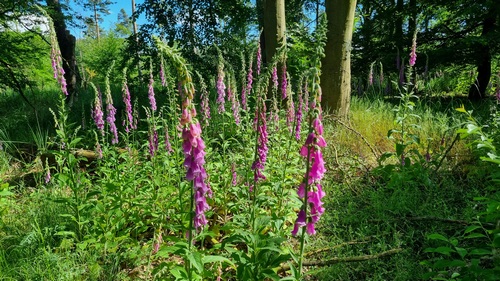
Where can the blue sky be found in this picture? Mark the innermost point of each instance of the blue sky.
(109, 20)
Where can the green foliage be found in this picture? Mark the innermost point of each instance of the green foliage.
(24, 60)
(473, 254)
(96, 57)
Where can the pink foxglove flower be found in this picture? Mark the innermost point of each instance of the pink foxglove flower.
(193, 147)
(99, 150)
(284, 81)
(129, 119)
(162, 74)
(205, 103)
(259, 58)
(413, 54)
(248, 88)
(221, 93)
(153, 142)
(310, 190)
(194, 160)
(262, 140)
(168, 146)
(300, 222)
(47, 176)
(234, 181)
(151, 92)
(274, 77)
(381, 75)
(97, 113)
(306, 98)
(370, 76)
(235, 104)
(157, 243)
(110, 118)
(290, 113)
(298, 115)
(57, 67)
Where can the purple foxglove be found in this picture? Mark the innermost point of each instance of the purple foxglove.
(221, 93)
(151, 92)
(413, 54)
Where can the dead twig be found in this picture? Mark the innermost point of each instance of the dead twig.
(286, 267)
(457, 137)
(461, 222)
(375, 153)
(318, 251)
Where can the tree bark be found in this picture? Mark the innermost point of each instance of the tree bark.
(67, 43)
(96, 22)
(336, 66)
(477, 90)
(274, 27)
(136, 39)
(398, 33)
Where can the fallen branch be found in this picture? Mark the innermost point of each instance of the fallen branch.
(462, 222)
(286, 267)
(318, 251)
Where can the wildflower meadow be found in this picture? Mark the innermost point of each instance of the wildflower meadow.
(227, 164)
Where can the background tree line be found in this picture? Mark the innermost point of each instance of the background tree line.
(450, 34)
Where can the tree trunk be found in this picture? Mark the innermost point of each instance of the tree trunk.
(273, 35)
(67, 43)
(136, 39)
(336, 69)
(477, 90)
(398, 32)
(274, 27)
(412, 21)
(96, 22)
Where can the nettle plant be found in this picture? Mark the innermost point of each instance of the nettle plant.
(164, 199)
(473, 254)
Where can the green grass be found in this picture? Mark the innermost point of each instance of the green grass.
(395, 211)
(378, 212)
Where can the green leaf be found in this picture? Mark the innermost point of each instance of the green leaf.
(66, 234)
(461, 109)
(400, 148)
(269, 273)
(471, 228)
(5, 193)
(179, 273)
(472, 128)
(196, 260)
(441, 250)
(449, 263)
(213, 259)
(461, 251)
(480, 252)
(436, 236)
(475, 235)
